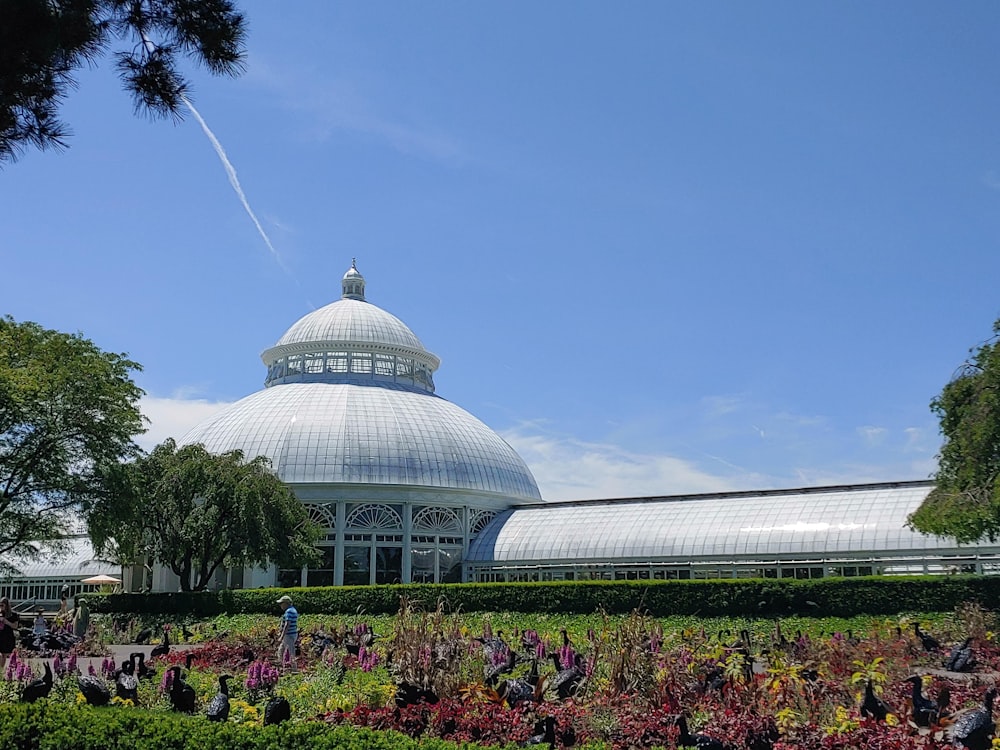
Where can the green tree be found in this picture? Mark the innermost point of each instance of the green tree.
(194, 511)
(65, 408)
(965, 501)
(42, 42)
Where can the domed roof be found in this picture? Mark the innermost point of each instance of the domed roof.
(370, 434)
(349, 398)
(351, 320)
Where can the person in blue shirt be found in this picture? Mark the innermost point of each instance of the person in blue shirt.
(289, 633)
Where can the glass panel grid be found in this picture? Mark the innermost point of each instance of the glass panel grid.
(807, 524)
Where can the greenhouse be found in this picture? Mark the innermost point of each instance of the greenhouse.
(400, 479)
(796, 533)
(409, 487)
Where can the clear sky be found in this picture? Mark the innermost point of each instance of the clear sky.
(660, 247)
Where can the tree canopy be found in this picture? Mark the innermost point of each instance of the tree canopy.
(965, 502)
(193, 511)
(42, 42)
(66, 407)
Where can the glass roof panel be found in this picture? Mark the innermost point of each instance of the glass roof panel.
(756, 525)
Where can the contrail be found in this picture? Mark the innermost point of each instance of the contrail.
(231, 173)
(235, 182)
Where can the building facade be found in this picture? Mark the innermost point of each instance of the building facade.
(401, 480)
(409, 487)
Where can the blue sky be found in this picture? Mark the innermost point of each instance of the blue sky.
(659, 247)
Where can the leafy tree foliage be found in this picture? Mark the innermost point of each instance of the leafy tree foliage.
(194, 511)
(43, 41)
(65, 408)
(965, 502)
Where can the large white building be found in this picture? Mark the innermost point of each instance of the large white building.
(411, 488)
(401, 479)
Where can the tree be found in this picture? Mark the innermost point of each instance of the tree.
(965, 501)
(194, 511)
(42, 42)
(65, 408)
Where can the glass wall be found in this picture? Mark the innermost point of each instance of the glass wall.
(322, 573)
(357, 566)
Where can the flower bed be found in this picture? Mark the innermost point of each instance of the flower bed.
(434, 675)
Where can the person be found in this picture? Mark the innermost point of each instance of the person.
(81, 619)
(289, 632)
(41, 627)
(63, 615)
(9, 623)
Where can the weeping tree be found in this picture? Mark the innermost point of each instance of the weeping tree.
(965, 501)
(66, 407)
(42, 43)
(194, 511)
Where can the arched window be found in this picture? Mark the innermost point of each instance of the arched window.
(437, 521)
(324, 515)
(479, 520)
(372, 516)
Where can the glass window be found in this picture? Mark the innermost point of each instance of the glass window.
(289, 578)
(422, 565)
(357, 566)
(336, 361)
(361, 362)
(388, 565)
(322, 573)
(450, 565)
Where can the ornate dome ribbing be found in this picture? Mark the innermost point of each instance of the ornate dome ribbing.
(350, 400)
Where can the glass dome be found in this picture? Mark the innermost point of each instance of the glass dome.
(349, 398)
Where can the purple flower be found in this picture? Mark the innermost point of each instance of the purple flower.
(567, 656)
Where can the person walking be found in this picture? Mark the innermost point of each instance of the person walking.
(9, 623)
(81, 619)
(289, 633)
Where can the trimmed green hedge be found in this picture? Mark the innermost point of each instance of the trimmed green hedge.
(825, 597)
(49, 726)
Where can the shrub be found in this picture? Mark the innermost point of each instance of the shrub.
(50, 726)
(838, 597)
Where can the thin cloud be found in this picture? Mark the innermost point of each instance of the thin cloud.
(717, 406)
(338, 105)
(873, 435)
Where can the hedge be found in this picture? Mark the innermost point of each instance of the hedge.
(825, 597)
(52, 726)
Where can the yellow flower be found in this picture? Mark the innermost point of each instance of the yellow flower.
(80, 698)
(892, 720)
